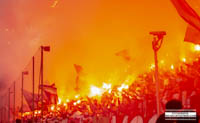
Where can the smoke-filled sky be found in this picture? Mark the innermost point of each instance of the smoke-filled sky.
(88, 33)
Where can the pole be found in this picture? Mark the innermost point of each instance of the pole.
(14, 104)
(1, 113)
(9, 105)
(3, 116)
(156, 44)
(5, 108)
(22, 97)
(33, 87)
(42, 81)
(157, 82)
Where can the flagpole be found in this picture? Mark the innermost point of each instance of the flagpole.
(156, 44)
(14, 104)
(23, 73)
(42, 81)
(9, 105)
(33, 87)
(5, 107)
(1, 114)
(22, 97)
(43, 48)
(157, 82)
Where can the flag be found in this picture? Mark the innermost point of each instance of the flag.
(191, 17)
(50, 88)
(187, 13)
(29, 99)
(50, 93)
(124, 54)
(78, 68)
(192, 35)
(52, 98)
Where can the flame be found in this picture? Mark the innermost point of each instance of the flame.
(152, 66)
(67, 100)
(106, 86)
(78, 101)
(77, 96)
(94, 91)
(183, 59)
(52, 108)
(172, 66)
(109, 91)
(26, 113)
(197, 47)
(123, 86)
(59, 101)
(58, 108)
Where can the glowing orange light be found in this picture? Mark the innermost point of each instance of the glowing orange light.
(197, 47)
(36, 112)
(109, 91)
(59, 101)
(26, 113)
(52, 107)
(76, 96)
(119, 89)
(75, 103)
(162, 62)
(152, 66)
(126, 86)
(106, 86)
(67, 100)
(78, 101)
(65, 104)
(123, 86)
(58, 108)
(94, 91)
(172, 67)
(184, 59)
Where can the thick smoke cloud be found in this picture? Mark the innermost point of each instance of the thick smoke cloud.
(88, 33)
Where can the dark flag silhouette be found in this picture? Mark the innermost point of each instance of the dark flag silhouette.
(79, 70)
(50, 88)
(124, 54)
(50, 93)
(191, 17)
(29, 99)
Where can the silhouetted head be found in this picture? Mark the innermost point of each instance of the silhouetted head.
(18, 121)
(173, 104)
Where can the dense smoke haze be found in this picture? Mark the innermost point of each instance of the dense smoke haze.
(88, 33)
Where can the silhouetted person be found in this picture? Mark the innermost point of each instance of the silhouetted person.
(18, 121)
(172, 104)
